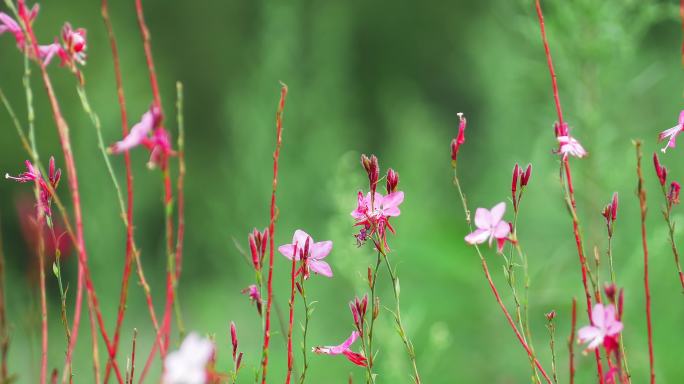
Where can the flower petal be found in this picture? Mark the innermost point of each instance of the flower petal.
(598, 316)
(497, 212)
(483, 218)
(320, 267)
(478, 236)
(287, 250)
(390, 203)
(300, 238)
(321, 249)
(585, 334)
(501, 230)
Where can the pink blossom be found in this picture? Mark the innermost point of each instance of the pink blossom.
(568, 145)
(159, 143)
(604, 330)
(373, 214)
(254, 296)
(139, 133)
(672, 133)
(490, 226)
(188, 365)
(74, 44)
(460, 139)
(47, 52)
(344, 349)
(316, 253)
(32, 174)
(8, 24)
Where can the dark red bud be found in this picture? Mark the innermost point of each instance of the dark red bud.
(551, 315)
(526, 176)
(673, 196)
(299, 288)
(661, 171)
(239, 361)
(51, 171)
(460, 138)
(254, 251)
(621, 302)
(392, 180)
(514, 181)
(233, 338)
(614, 207)
(610, 290)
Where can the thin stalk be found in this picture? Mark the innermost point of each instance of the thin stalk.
(569, 189)
(94, 349)
(40, 221)
(305, 330)
(271, 231)
(667, 212)
(370, 356)
(552, 347)
(571, 341)
(4, 333)
(488, 276)
(647, 290)
(180, 234)
(290, 354)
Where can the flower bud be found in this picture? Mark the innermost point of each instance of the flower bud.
(673, 196)
(376, 308)
(621, 302)
(392, 180)
(560, 129)
(373, 171)
(550, 316)
(610, 290)
(526, 176)
(254, 251)
(661, 171)
(514, 181)
(234, 339)
(614, 207)
(459, 139)
(370, 277)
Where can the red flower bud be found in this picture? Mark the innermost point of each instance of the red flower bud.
(254, 251)
(526, 176)
(392, 180)
(614, 207)
(661, 171)
(673, 196)
(514, 181)
(551, 315)
(234, 339)
(460, 138)
(610, 290)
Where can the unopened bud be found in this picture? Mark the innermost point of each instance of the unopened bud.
(661, 171)
(254, 251)
(299, 288)
(459, 139)
(370, 277)
(376, 308)
(673, 196)
(514, 180)
(233, 339)
(614, 206)
(621, 302)
(392, 180)
(526, 176)
(550, 316)
(610, 290)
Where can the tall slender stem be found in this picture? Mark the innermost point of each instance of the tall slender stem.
(647, 290)
(271, 231)
(571, 341)
(290, 354)
(370, 378)
(4, 334)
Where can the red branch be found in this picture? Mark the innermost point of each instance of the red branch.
(290, 355)
(568, 174)
(642, 205)
(271, 231)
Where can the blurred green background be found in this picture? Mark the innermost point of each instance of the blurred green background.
(365, 77)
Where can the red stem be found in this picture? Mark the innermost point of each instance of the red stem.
(681, 15)
(511, 322)
(271, 231)
(129, 184)
(148, 52)
(642, 205)
(566, 165)
(43, 301)
(290, 355)
(571, 341)
(63, 130)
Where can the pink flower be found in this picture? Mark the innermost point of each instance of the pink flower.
(47, 52)
(188, 365)
(343, 349)
(8, 24)
(490, 226)
(374, 215)
(159, 144)
(254, 296)
(33, 175)
(671, 134)
(568, 145)
(460, 139)
(74, 44)
(604, 330)
(314, 258)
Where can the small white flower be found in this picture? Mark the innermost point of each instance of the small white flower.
(188, 364)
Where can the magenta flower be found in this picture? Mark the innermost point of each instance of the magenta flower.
(254, 296)
(32, 174)
(316, 253)
(672, 133)
(74, 44)
(344, 349)
(490, 225)
(8, 24)
(159, 143)
(373, 216)
(460, 139)
(568, 145)
(604, 330)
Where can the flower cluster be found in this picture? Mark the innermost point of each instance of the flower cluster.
(46, 187)
(373, 210)
(567, 145)
(311, 254)
(604, 329)
(152, 135)
(71, 51)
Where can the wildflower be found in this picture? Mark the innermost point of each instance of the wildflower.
(610, 210)
(604, 329)
(74, 44)
(458, 140)
(550, 315)
(315, 255)
(33, 174)
(673, 195)
(254, 295)
(343, 349)
(373, 214)
(568, 145)
(159, 143)
(672, 133)
(188, 365)
(660, 169)
(490, 226)
(8, 24)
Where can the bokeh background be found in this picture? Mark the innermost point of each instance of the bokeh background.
(365, 77)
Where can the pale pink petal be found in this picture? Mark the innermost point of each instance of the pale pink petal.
(681, 118)
(483, 218)
(320, 267)
(390, 203)
(585, 334)
(300, 238)
(338, 349)
(321, 249)
(497, 212)
(671, 135)
(8, 23)
(287, 250)
(137, 134)
(501, 230)
(478, 236)
(596, 342)
(598, 316)
(614, 328)
(500, 244)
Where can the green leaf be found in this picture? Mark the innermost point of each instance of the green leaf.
(55, 270)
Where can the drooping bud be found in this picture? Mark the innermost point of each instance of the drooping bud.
(459, 139)
(661, 171)
(673, 195)
(610, 290)
(392, 180)
(526, 176)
